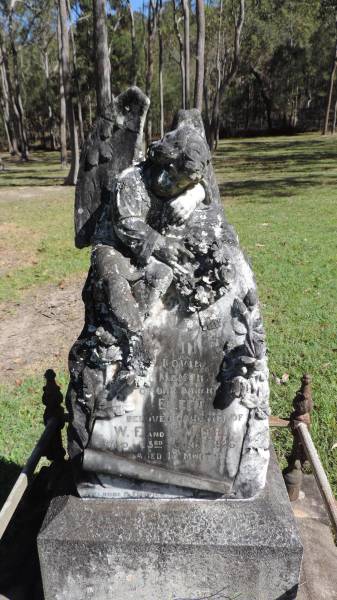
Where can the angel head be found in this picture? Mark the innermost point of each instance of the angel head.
(178, 161)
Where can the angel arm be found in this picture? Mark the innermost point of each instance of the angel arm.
(129, 212)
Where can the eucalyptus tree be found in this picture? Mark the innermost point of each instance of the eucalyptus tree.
(102, 59)
(68, 90)
(152, 23)
(200, 55)
(186, 13)
(176, 22)
(226, 64)
(329, 8)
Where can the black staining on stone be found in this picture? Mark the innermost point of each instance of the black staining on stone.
(167, 290)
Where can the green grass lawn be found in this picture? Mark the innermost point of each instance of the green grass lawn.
(281, 195)
(36, 226)
(43, 168)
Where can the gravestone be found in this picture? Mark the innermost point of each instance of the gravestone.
(168, 394)
(169, 378)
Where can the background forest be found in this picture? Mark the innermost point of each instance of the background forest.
(252, 65)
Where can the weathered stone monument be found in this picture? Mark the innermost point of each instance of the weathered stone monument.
(168, 398)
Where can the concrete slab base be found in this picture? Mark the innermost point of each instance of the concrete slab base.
(319, 567)
(181, 549)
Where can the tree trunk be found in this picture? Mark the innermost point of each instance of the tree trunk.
(76, 76)
(63, 110)
(181, 54)
(267, 101)
(329, 98)
(214, 125)
(50, 117)
(161, 84)
(8, 112)
(102, 60)
(331, 84)
(72, 176)
(80, 121)
(333, 130)
(90, 110)
(5, 122)
(151, 32)
(134, 62)
(225, 79)
(200, 57)
(207, 119)
(186, 13)
(17, 89)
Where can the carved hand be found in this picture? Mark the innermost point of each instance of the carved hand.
(171, 252)
(182, 207)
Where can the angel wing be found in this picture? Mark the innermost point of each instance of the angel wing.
(114, 143)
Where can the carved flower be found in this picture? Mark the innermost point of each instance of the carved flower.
(185, 284)
(201, 297)
(225, 273)
(203, 246)
(220, 254)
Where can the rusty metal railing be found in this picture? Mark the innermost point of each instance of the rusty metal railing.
(304, 449)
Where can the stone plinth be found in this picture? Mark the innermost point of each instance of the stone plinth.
(180, 549)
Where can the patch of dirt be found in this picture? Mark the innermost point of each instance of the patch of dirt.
(39, 332)
(12, 247)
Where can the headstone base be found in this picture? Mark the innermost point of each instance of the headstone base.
(178, 549)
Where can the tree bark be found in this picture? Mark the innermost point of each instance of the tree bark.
(45, 61)
(90, 110)
(72, 176)
(151, 33)
(224, 79)
(200, 56)
(333, 129)
(329, 97)
(267, 101)
(330, 90)
(181, 54)
(7, 101)
(207, 119)
(186, 13)
(161, 83)
(63, 109)
(102, 60)
(5, 122)
(76, 76)
(134, 62)
(214, 125)
(17, 98)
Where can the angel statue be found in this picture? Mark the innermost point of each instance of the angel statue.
(169, 377)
